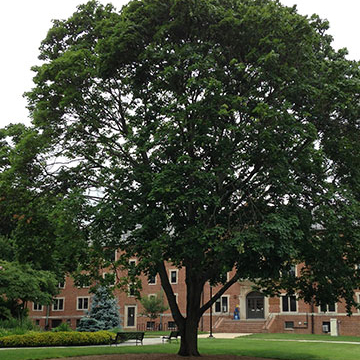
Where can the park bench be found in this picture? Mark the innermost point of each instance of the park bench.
(173, 335)
(138, 336)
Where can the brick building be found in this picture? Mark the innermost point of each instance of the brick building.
(257, 313)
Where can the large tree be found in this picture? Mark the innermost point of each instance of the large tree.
(40, 238)
(216, 135)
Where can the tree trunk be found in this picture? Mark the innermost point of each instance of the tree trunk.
(188, 346)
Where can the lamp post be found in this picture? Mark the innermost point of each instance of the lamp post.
(211, 334)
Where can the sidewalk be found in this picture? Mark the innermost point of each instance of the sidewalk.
(223, 335)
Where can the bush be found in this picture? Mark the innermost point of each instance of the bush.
(16, 327)
(62, 327)
(35, 339)
(13, 323)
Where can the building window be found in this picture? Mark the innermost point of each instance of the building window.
(326, 327)
(110, 278)
(152, 280)
(150, 325)
(37, 307)
(328, 307)
(132, 263)
(292, 271)
(172, 325)
(289, 325)
(82, 303)
(131, 290)
(77, 322)
(222, 305)
(173, 276)
(58, 304)
(288, 303)
(110, 255)
(37, 322)
(55, 323)
(61, 285)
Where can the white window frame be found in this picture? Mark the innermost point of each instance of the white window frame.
(63, 307)
(221, 306)
(152, 283)
(37, 307)
(111, 273)
(126, 307)
(151, 295)
(176, 297)
(129, 294)
(77, 302)
(177, 276)
(327, 309)
(62, 287)
(289, 304)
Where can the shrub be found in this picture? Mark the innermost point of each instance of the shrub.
(62, 327)
(35, 339)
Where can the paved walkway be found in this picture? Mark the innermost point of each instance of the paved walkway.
(223, 335)
(313, 341)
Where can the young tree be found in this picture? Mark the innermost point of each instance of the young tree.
(215, 135)
(153, 306)
(103, 314)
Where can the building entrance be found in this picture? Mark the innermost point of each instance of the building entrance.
(255, 305)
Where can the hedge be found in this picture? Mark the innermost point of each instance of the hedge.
(72, 338)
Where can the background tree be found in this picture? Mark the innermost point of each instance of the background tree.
(39, 225)
(153, 306)
(216, 135)
(19, 284)
(103, 314)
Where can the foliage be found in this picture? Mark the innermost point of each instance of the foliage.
(34, 339)
(31, 212)
(103, 314)
(19, 284)
(13, 326)
(153, 306)
(64, 326)
(215, 135)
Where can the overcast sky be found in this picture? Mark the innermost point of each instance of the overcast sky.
(24, 23)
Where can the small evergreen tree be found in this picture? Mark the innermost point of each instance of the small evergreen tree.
(103, 314)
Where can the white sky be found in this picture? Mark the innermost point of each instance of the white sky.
(24, 23)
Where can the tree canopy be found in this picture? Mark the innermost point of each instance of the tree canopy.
(215, 135)
(19, 284)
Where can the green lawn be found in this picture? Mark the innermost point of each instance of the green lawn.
(305, 337)
(251, 346)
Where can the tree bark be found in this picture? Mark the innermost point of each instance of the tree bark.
(189, 344)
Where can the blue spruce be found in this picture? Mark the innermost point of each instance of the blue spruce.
(103, 314)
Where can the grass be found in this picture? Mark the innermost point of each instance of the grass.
(305, 337)
(247, 346)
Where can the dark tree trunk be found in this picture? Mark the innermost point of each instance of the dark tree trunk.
(189, 346)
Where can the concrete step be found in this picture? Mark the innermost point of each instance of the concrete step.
(241, 326)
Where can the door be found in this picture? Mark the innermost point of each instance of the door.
(130, 320)
(255, 305)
